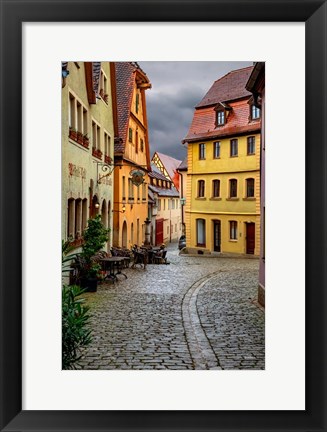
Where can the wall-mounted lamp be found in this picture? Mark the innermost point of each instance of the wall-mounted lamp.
(120, 211)
(97, 205)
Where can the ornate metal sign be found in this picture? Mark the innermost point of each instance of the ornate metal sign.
(137, 177)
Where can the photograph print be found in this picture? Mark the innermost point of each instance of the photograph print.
(163, 215)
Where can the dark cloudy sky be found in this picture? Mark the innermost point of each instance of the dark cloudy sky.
(176, 88)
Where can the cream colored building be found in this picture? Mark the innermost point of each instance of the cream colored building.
(168, 225)
(87, 137)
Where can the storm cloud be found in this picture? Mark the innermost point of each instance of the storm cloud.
(176, 88)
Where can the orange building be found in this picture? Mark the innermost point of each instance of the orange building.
(131, 154)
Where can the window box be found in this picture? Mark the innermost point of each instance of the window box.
(80, 138)
(86, 141)
(96, 153)
(73, 134)
(107, 159)
(106, 98)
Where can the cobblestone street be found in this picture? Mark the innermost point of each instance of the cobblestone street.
(196, 313)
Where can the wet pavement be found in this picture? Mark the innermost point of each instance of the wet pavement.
(197, 312)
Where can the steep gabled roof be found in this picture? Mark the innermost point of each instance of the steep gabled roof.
(238, 121)
(156, 173)
(126, 75)
(170, 164)
(227, 88)
(125, 80)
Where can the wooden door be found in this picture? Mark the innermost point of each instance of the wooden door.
(250, 238)
(216, 236)
(159, 231)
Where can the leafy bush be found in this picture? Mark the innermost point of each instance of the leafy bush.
(95, 236)
(75, 332)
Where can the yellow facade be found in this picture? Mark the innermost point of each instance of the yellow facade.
(219, 212)
(129, 227)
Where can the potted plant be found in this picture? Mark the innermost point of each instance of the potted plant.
(94, 238)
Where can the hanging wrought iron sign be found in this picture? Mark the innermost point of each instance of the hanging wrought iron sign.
(137, 177)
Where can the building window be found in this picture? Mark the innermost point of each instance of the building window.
(136, 142)
(96, 140)
(255, 112)
(130, 135)
(215, 188)
(251, 145)
(164, 204)
(106, 145)
(143, 192)
(124, 189)
(77, 117)
(233, 147)
(220, 118)
(71, 219)
(233, 230)
(216, 149)
(202, 151)
(159, 204)
(233, 188)
(201, 189)
(141, 145)
(130, 190)
(200, 232)
(250, 188)
(137, 101)
(103, 86)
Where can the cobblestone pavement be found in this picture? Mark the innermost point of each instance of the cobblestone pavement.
(196, 313)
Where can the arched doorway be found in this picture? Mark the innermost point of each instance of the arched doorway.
(124, 235)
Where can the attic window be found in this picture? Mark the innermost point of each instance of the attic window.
(222, 112)
(220, 118)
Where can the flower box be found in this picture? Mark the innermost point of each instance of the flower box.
(96, 153)
(73, 134)
(107, 159)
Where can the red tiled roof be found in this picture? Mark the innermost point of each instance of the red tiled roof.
(227, 88)
(203, 125)
(125, 79)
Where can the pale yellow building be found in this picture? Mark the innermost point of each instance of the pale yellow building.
(87, 145)
(223, 179)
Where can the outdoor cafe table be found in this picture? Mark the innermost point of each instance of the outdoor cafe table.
(152, 252)
(113, 267)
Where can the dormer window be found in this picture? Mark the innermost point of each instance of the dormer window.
(255, 112)
(222, 111)
(220, 118)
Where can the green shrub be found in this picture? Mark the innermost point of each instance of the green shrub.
(75, 331)
(95, 236)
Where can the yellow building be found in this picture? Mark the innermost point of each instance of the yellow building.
(131, 154)
(223, 181)
(87, 144)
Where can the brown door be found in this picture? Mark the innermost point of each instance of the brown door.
(250, 238)
(216, 236)
(159, 231)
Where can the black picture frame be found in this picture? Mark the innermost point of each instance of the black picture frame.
(13, 14)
